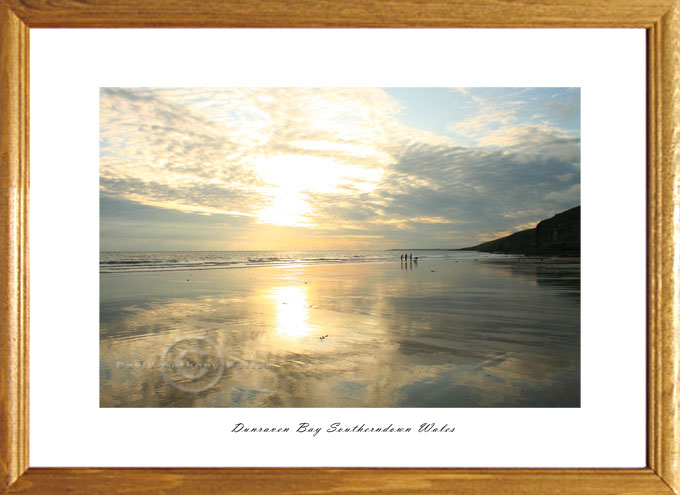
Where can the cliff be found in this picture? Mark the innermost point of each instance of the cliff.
(556, 236)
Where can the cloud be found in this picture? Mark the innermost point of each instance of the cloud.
(433, 187)
(564, 109)
(571, 195)
(486, 113)
(533, 140)
(158, 152)
(520, 120)
(331, 163)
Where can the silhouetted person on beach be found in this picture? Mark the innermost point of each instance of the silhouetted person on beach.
(411, 256)
(401, 258)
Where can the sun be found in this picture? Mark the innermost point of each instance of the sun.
(288, 208)
(290, 178)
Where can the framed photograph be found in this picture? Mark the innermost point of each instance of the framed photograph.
(316, 260)
(273, 323)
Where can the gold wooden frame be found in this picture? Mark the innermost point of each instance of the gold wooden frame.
(660, 18)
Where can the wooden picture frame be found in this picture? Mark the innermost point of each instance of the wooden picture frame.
(660, 18)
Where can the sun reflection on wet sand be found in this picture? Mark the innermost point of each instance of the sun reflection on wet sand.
(292, 311)
(442, 335)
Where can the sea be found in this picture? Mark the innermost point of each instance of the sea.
(154, 261)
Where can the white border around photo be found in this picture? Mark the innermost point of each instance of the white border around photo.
(68, 66)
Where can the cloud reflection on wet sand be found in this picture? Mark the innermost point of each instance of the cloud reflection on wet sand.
(467, 334)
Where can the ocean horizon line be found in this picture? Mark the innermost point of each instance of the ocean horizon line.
(154, 261)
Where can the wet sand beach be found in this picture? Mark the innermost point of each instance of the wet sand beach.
(438, 333)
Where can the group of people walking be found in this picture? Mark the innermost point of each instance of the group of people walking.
(407, 257)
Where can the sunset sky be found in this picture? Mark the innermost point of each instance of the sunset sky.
(332, 168)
